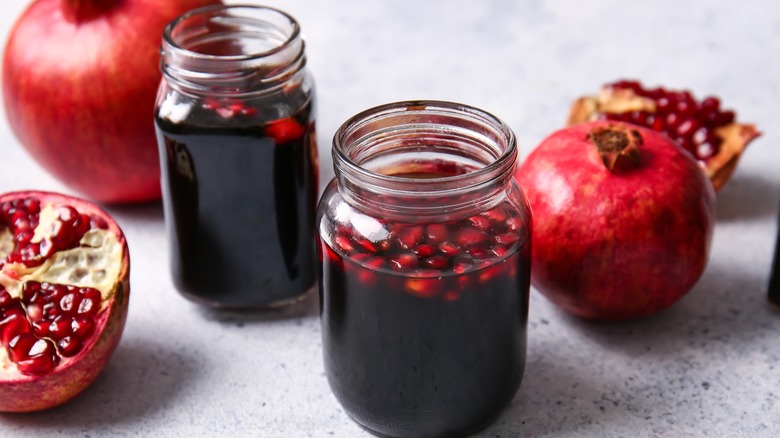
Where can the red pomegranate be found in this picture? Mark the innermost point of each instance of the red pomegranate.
(703, 128)
(623, 220)
(64, 289)
(80, 79)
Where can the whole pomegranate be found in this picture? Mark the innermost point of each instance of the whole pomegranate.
(80, 79)
(64, 289)
(623, 220)
(710, 133)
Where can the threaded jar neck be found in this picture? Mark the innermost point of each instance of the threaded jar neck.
(424, 158)
(232, 50)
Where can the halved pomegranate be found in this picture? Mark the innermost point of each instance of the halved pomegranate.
(64, 287)
(705, 130)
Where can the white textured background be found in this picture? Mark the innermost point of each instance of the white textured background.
(709, 366)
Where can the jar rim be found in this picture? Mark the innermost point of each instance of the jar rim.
(169, 40)
(501, 164)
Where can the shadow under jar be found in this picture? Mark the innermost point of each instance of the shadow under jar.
(235, 128)
(424, 249)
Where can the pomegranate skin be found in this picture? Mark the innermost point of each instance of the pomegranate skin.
(28, 393)
(79, 84)
(616, 246)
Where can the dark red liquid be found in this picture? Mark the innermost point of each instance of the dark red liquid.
(239, 198)
(424, 333)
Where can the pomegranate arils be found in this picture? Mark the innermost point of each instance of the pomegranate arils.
(468, 237)
(44, 314)
(429, 254)
(22, 217)
(689, 123)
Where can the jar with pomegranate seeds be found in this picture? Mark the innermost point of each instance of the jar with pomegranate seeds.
(235, 128)
(424, 250)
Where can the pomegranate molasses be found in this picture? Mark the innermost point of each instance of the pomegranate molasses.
(424, 269)
(235, 128)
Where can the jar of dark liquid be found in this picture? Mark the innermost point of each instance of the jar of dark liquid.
(235, 127)
(424, 248)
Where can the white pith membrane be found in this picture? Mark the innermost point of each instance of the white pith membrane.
(95, 263)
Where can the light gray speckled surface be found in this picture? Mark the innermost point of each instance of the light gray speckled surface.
(710, 366)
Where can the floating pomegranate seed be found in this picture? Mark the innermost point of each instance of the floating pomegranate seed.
(507, 238)
(449, 248)
(437, 233)
(366, 244)
(404, 261)
(436, 262)
(424, 250)
(469, 237)
(345, 244)
(480, 222)
(410, 236)
(284, 130)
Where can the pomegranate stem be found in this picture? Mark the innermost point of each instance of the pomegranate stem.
(618, 147)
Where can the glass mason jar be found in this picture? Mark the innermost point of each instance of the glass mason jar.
(424, 249)
(235, 128)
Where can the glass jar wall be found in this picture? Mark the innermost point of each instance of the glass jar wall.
(424, 249)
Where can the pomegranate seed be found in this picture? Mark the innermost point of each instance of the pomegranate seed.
(507, 238)
(725, 118)
(41, 328)
(366, 244)
(424, 250)
(680, 116)
(86, 307)
(69, 302)
(284, 130)
(437, 233)
(12, 325)
(98, 222)
(480, 222)
(478, 253)
(460, 267)
(688, 127)
(500, 250)
(449, 248)
(496, 215)
(31, 206)
(20, 345)
(345, 244)
(82, 327)
(5, 298)
(35, 312)
(60, 327)
(469, 237)
(69, 346)
(410, 236)
(436, 262)
(710, 104)
(404, 261)
(38, 365)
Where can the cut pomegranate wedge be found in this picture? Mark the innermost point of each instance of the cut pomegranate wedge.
(64, 288)
(705, 130)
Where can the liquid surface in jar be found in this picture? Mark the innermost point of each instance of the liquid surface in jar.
(424, 324)
(240, 193)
